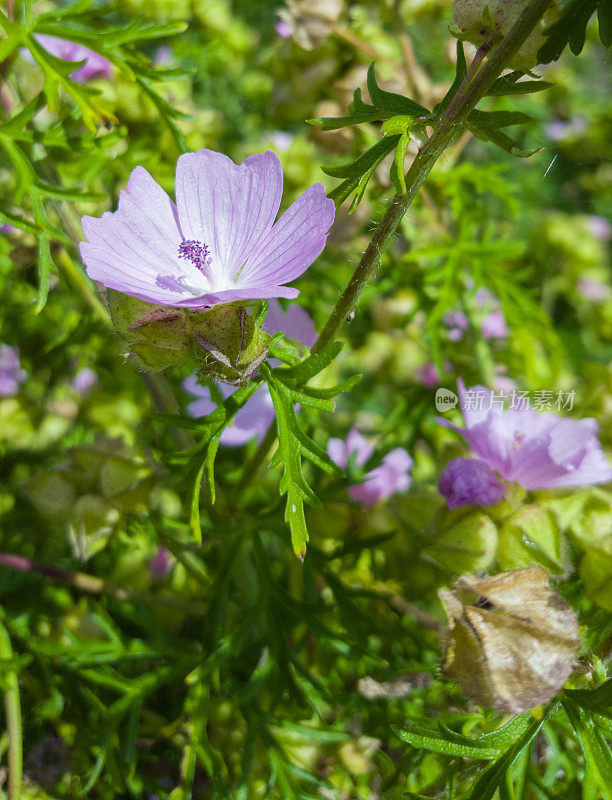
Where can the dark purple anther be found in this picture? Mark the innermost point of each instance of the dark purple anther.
(197, 253)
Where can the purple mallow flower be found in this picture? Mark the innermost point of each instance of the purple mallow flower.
(468, 481)
(257, 414)
(536, 450)
(218, 244)
(11, 374)
(95, 66)
(383, 481)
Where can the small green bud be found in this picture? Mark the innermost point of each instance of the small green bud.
(596, 572)
(158, 337)
(482, 21)
(464, 541)
(396, 125)
(531, 536)
(91, 523)
(230, 346)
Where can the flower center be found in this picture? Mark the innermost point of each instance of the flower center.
(199, 255)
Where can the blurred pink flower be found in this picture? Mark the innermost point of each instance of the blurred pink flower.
(600, 227)
(596, 291)
(559, 129)
(218, 244)
(379, 483)
(494, 326)
(282, 28)
(457, 323)
(428, 374)
(84, 380)
(11, 374)
(537, 450)
(95, 66)
(161, 564)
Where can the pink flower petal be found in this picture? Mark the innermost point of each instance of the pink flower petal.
(130, 249)
(229, 207)
(294, 242)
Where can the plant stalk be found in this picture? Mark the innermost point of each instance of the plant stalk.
(12, 706)
(460, 106)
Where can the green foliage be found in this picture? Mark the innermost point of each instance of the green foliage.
(166, 642)
(287, 388)
(570, 29)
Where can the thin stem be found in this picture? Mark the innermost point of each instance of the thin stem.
(12, 705)
(81, 280)
(92, 585)
(452, 118)
(253, 466)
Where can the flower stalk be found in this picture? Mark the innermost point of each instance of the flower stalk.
(12, 706)
(453, 117)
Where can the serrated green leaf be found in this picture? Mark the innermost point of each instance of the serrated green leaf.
(366, 161)
(500, 139)
(439, 741)
(597, 756)
(593, 699)
(460, 73)
(493, 776)
(311, 366)
(211, 453)
(604, 20)
(493, 120)
(510, 84)
(392, 102)
(570, 29)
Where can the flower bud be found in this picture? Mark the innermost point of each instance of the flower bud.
(596, 572)
(310, 21)
(463, 541)
(490, 20)
(158, 337)
(511, 641)
(531, 536)
(230, 346)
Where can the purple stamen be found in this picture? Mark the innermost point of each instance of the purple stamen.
(198, 253)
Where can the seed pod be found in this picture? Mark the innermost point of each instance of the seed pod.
(511, 641)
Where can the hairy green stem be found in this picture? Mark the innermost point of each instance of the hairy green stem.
(460, 106)
(12, 706)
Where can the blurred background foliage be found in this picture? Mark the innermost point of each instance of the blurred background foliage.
(150, 667)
